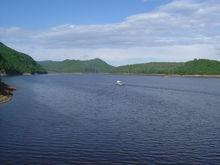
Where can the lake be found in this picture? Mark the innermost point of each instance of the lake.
(87, 119)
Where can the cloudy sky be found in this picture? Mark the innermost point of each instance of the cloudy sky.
(117, 31)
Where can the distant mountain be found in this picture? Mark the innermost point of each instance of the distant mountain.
(195, 67)
(14, 62)
(149, 68)
(77, 66)
(199, 67)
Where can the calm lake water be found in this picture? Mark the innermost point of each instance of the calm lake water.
(85, 119)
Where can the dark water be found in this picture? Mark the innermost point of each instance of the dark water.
(85, 119)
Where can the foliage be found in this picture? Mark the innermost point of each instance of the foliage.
(149, 68)
(14, 62)
(199, 67)
(195, 67)
(77, 66)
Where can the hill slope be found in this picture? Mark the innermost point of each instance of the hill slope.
(199, 67)
(77, 66)
(14, 62)
(148, 68)
(195, 67)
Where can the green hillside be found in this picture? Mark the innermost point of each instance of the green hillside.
(14, 62)
(77, 66)
(199, 67)
(195, 67)
(149, 68)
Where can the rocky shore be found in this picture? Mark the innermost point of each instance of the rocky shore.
(6, 92)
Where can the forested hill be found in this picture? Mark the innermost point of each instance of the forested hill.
(195, 67)
(199, 67)
(14, 62)
(77, 66)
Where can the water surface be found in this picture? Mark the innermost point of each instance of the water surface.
(85, 119)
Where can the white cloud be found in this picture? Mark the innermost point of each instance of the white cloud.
(180, 30)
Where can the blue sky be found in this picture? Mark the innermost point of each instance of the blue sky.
(117, 31)
(38, 14)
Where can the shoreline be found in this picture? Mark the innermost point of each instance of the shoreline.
(5, 99)
(6, 92)
(124, 74)
(140, 74)
(167, 75)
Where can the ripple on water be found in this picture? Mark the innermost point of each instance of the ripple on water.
(85, 119)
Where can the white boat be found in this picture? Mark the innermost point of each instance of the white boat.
(120, 83)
